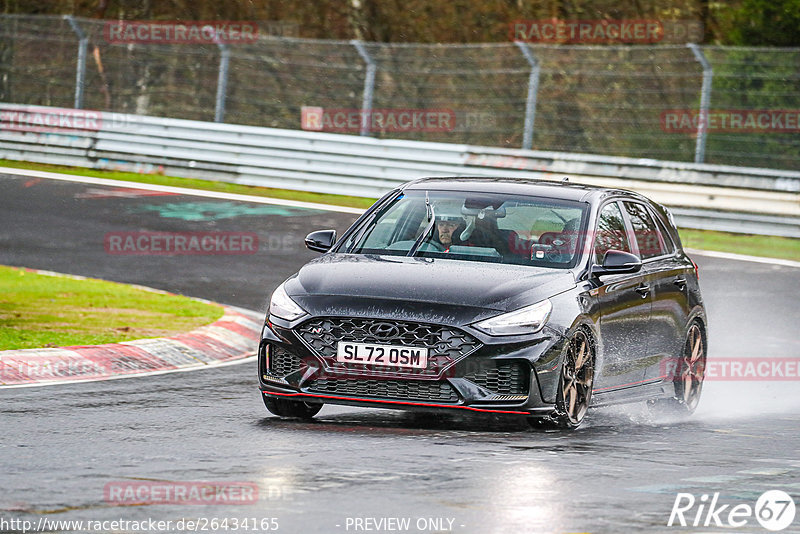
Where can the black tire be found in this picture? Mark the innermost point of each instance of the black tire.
(688, 377)
(574, 385)
(291, 408)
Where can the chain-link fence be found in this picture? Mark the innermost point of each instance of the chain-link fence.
(636, 101)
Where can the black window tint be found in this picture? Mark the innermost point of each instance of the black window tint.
(610, 232)
(644, 228)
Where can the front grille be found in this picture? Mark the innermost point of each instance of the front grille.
(445, 344)
(423, 390)
(282, 362)
(505, 379)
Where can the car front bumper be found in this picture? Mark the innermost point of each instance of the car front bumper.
(518, 378)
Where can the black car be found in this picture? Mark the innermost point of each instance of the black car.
(492, 295)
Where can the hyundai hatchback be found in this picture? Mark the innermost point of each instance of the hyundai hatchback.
(507, 296)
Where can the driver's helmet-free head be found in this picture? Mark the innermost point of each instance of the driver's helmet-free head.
(448, 215)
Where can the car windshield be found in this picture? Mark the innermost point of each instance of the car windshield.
(486, 227)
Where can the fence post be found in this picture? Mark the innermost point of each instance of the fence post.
(80, 70)
(533, 92)
(369, 86)
(222, 82)
(705, 100)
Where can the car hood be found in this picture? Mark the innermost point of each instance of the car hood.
(417, 281)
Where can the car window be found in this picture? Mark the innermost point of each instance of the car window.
(381, 234)
(648, 237)
(610, 234)
(669, 244)
(490, 227)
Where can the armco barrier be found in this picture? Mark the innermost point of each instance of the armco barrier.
(705, 196)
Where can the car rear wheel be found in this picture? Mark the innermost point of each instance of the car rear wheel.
(291, 408)
(575, 383)
(688, 377)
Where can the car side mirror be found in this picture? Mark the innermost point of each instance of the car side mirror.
(618, 262)
(321, 240)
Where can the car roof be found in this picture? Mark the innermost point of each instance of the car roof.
(521, 186)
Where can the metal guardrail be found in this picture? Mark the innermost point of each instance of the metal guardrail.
(665, 100)
(703, 196)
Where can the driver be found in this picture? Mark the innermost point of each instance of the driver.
(446, 226)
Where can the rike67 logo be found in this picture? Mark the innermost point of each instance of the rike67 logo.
(774, 510)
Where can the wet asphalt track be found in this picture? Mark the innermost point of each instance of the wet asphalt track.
(619, 473)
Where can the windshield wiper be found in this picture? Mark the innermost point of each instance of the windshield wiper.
(431, 214)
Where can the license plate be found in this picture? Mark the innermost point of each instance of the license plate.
(390, 355)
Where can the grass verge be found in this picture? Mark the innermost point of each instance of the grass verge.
(52, 311)
(755, 245)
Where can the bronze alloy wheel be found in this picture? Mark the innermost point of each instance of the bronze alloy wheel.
(689, 380)
(577, 378)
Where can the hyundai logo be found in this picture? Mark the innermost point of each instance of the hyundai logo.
(384, 330)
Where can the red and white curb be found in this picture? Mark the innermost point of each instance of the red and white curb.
(230, 340)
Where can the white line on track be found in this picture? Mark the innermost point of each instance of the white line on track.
(135, 375)
(178, 190)
(742, 257)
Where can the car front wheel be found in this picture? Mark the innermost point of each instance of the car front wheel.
(291, 408)
(575, 383)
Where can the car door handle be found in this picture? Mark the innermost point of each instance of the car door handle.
(643, 290)
(680, 282)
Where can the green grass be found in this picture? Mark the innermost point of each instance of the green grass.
(772, 247)
(754, 245)
(52, 311)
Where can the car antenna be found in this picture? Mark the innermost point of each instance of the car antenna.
(565, 180)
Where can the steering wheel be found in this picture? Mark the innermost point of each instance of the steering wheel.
(557, 242)
(431, 246)
(438, 247)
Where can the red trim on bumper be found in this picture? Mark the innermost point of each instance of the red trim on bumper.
(380, 401)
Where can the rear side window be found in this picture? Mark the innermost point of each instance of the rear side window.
(668, 241)
(610, 233)
(648, 237)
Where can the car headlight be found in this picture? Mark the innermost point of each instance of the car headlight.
(280, 305)
(526, 320)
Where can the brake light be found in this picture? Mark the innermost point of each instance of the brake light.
(696, 273)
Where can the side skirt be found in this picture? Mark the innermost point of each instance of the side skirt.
(655, 389)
